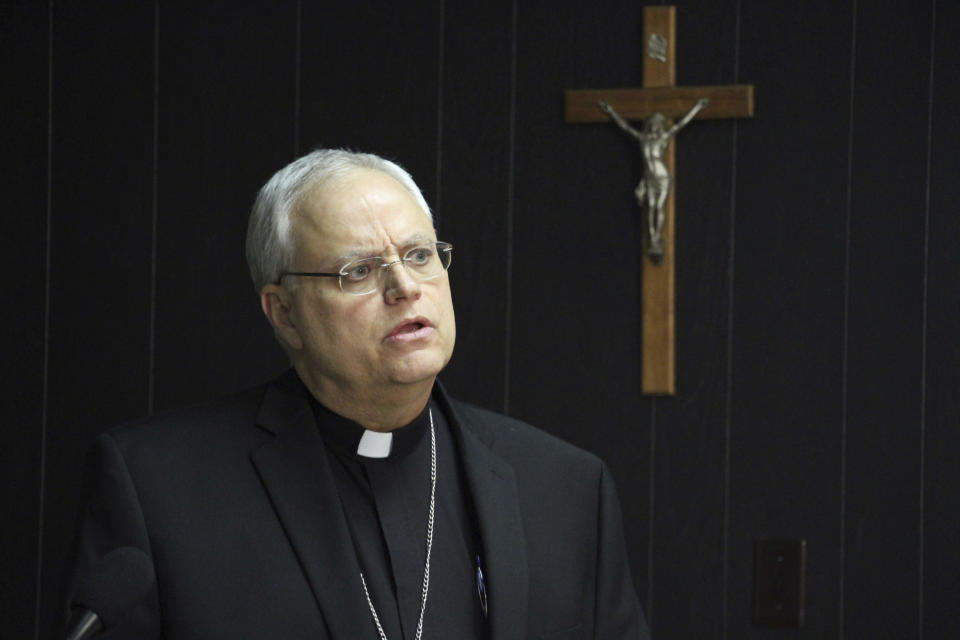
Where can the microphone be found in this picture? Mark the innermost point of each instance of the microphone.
(106, 592)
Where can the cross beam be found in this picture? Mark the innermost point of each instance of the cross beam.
(732, 101)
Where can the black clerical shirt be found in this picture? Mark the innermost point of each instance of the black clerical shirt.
(385, 502)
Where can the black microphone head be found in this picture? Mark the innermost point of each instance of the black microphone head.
(115, 584)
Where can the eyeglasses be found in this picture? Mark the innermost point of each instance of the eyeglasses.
(360, 277)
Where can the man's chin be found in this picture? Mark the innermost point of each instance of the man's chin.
(417, 368)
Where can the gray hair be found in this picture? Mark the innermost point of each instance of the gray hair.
(269, 246)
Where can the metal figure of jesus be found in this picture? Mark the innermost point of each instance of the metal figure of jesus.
(654, 185)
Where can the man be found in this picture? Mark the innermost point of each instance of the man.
(352, 497)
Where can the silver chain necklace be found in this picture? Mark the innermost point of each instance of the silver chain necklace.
(426, 565)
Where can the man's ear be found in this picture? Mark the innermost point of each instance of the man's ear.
(277, 304)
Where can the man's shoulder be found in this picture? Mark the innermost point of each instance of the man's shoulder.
(211, 422)
(520, 441)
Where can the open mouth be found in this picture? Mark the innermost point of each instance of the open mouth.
(410, 330)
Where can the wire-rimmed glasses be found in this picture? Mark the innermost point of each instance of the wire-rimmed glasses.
(360, 277)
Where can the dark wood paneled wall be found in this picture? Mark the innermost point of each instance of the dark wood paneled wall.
(818, 265)
(787, 300)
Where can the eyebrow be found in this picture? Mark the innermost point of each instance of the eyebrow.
(360, 252)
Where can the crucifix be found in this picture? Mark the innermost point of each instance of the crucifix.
(661, 101)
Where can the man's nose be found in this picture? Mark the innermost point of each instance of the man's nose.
(400, 285)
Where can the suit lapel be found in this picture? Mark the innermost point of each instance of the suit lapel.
(295, 471)
(494, 492)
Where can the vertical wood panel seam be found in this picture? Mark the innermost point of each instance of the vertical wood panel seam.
(728, 409)
(651, 512)
(152, 347)
(46, 327)
(440, 64)
(511, 168)
(296, 79)
(923, 328)
(845, 354)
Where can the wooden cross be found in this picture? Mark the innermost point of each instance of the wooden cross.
(659, 95)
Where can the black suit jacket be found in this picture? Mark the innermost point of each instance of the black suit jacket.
(235, 505)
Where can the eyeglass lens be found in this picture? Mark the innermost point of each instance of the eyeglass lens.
(423, 263)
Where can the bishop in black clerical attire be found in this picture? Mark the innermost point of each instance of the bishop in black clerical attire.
(352, 497)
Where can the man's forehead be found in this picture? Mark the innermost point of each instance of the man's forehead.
(353, 217)
(354, 180)
(334, 200)
(364, 249)
(366, 225)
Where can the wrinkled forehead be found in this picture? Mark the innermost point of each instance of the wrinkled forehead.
(358, 210)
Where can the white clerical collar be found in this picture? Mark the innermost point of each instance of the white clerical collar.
(375, 444)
